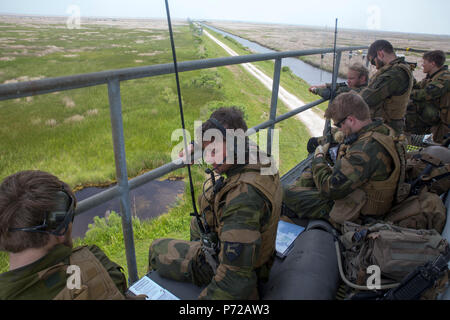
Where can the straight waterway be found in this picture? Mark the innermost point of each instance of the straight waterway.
(309, 73)
(314, 122)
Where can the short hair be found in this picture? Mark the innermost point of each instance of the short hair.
(436, 56)
(348, 104)
(229, 117)
(25, 199)
(361, 69)
(378, 45)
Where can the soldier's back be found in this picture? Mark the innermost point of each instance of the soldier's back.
(47, 278)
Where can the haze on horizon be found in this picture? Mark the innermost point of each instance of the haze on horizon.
(414, 16)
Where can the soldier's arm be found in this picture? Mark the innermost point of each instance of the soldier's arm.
(240, 239)
(432, 91)
(325, 93)
(390, 83)
(362, 162)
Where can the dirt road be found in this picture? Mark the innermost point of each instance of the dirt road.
(313, 122)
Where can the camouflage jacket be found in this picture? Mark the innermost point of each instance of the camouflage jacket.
(325, 93)
(429, 107)
(432, 87)
(430, 94)
(27, 283)
(363, 160)
(245, 219)
(388, 92)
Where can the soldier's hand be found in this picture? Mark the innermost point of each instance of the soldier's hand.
(181, 154)
(313, 90)
(312, 144)
(339, 136)
(321, 150)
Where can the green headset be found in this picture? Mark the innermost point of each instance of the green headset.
(57, 221)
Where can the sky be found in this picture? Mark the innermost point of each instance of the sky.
(412, 16)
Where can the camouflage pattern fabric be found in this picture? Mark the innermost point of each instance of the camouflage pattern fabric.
(304, 199)
(424, 109)
(362, 161)
(393, 82)
(180, 260)
(242, 215)
(325, 93)
(27, 283)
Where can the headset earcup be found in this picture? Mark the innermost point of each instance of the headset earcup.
(57, 216)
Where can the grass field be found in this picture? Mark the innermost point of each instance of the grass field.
(69, 133)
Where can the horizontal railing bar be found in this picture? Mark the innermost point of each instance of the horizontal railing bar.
(286, 115)
(161, 171)
(114, 192)
(37, 87)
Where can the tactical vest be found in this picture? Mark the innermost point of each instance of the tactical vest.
(394, 107)
(269, 186)
(382, 194)
(439, 131)
(96, 284)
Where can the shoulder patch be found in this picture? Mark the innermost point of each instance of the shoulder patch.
(233, 250)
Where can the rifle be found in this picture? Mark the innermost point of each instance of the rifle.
(419, 280)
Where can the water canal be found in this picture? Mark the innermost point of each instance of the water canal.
(309, 73)
(147, 201)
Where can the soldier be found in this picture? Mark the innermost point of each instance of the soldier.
(36, 215)
(388, 92)
(240, 216)
(357, 78)
(430, 99)
(363, 181)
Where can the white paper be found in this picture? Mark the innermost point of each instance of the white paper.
(152, 290)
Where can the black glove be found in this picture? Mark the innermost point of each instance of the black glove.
(313, 143)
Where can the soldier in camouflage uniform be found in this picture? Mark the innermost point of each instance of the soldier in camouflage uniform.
(357, 78)
(428, 110)
(240, 215)
(388, 92)
(364, 179)
(36, 215)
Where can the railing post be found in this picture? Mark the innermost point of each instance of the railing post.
(333, 86)
(115, 105)
(274, 102)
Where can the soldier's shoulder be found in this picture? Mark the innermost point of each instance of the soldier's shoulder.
(368, 140)
(443, 76)
(401, 70)
(244, 194)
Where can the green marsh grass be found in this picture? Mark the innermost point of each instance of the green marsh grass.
(69, 133)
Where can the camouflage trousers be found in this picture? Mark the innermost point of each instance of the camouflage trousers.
(180, 260)
(305, 200)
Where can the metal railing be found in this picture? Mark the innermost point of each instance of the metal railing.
(113, 78)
